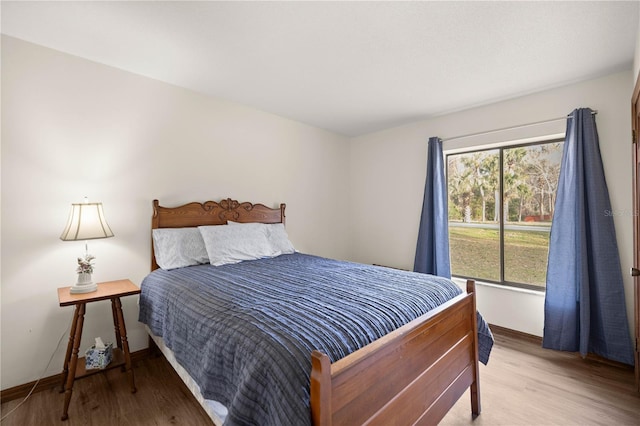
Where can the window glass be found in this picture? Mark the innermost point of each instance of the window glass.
(474, 236)
(511, 247)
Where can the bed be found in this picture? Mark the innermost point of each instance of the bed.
(253, 348)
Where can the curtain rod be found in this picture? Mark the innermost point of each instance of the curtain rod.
(488, 132)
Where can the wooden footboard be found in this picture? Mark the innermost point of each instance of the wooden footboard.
(411, 376)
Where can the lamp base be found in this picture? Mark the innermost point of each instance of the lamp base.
(83, 288)
(84, 284)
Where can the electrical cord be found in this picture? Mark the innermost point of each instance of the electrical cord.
(41, 376)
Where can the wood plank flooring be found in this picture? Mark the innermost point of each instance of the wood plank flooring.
(522, 385)
(106, 399)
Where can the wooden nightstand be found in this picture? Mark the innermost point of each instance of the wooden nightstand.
(74, 367)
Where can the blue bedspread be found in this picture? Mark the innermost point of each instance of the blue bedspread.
(245, 332)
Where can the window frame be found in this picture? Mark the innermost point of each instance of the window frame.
(500, 147)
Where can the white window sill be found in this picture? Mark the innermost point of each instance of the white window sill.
(462, 282)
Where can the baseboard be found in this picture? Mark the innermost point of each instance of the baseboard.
(598, 358)
(503, 331)
(46, 383)
(507, 332)
(21, 391)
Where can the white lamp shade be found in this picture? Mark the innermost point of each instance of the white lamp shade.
(86, 222)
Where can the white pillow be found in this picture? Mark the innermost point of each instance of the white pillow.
(276, 235)
(179, 247)
(233, 244)
(278, 239)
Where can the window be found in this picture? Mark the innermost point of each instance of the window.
(511, 247)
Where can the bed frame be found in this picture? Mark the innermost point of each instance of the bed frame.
(412, 375)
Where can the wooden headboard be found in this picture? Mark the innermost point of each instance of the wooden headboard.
(211, 213)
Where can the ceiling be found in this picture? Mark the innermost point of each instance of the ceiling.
(349, 67)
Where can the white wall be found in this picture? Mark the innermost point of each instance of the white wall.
(388, 170)
(74, 128)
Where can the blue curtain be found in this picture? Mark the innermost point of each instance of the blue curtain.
(585, 304)
(432, 251)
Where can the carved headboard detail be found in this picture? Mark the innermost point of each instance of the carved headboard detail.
(212, 213)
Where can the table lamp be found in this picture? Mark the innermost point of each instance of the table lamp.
(86, 222)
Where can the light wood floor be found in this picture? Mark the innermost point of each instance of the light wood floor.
(522, 385)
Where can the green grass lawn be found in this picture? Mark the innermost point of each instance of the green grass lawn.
(475, 252)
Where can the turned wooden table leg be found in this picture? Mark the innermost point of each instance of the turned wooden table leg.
(73, 362)
(116, 326)
(125, 344)
(67, 357)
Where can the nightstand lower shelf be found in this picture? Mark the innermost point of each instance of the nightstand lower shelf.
(117, 360)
